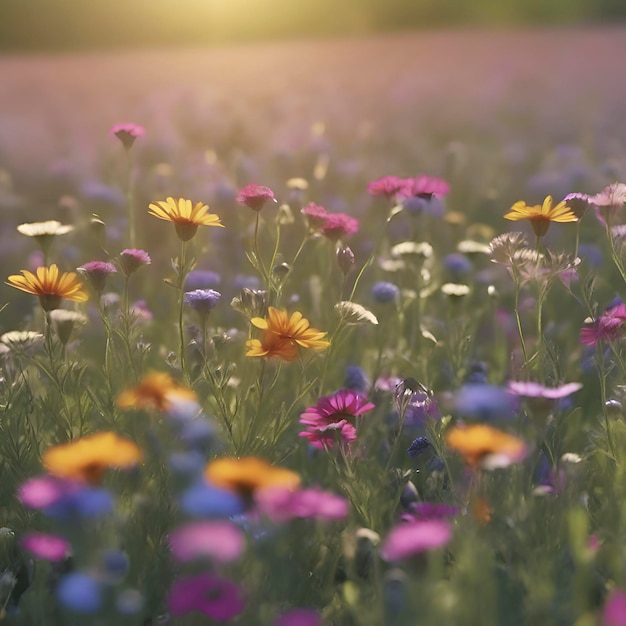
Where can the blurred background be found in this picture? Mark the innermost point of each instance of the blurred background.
(46, 25)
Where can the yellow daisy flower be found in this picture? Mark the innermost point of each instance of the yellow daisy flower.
(87, 459)
(483, 446)
(540, 216)
(50, 285)
(156, 390)
(246, 475)
(294, 327)
(185, 216)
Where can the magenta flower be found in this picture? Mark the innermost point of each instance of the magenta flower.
(315, 215)
(97, 273)
(47, 547)
(333, 418)
(388, 186)
(535, 390)
(614, 613)
(325, 437)
(299, 617)
(609, 326)
(44, 491)
(127, 133)
(219, 540)
(131, 259)
(406, 540)
(338, 226)
(281, 505)
(425, 187)
(215, 597)
(255, 196)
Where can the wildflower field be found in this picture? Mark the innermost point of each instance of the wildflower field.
(315, 333)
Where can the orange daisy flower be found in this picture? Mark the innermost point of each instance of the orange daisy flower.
(486, 447)
(50, 285)
(185, 216)
(247, 475)
(156, 390)
(540, 216)
(87, 459)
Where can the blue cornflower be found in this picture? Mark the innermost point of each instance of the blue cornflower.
(79, 592)
(485, 402)
(385, 292)
(355, 378)
(419, 446)
(202, 279)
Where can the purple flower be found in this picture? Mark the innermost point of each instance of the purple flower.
(215, 597)
(421, 511)
(355, 378)
(96, 273)
(282, 504)
(202, 500)
(457, 264)
(219, 540)
(614, 612)
(384, 292)
(202, 279)
(299, 617)
(255, 196)
(47, 547)
(127, 133)
(202, 301)
(410, 539)
(131, 259)
(79, 592)
(535, 390)
(484, 402)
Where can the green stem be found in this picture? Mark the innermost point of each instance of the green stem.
(182, 272)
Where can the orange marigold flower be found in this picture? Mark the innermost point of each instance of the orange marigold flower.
(272, 345)
(247, 475)
(50, 285)
(155, 390)
(185, 216)
(294, 327)
(87, 459)
(483, 446)
(540, 216)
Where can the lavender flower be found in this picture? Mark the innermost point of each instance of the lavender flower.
(202, 300)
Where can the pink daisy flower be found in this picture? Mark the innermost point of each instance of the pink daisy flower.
(406, 540)
(333, 417)
(282, 504)
(609, 326)
(127, 133)
(47, 547)
(388, 186)
(315, 215)
(255, 196)
(339, 226)
(425, 186)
